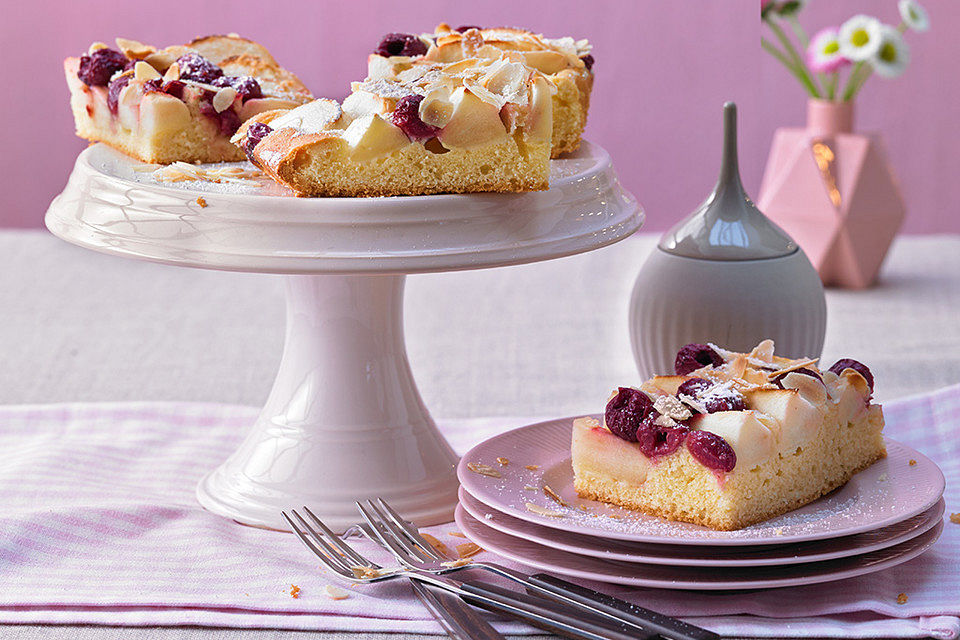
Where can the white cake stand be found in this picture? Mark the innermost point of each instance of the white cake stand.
(344, 420)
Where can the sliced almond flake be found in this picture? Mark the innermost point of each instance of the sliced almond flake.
(583, 508)
(143, 72)
(369, 572)
(453, 564)
(531, 467)
(528, 487)
(133, 49)
(224, 98)
(483, 469)
(96, 46)
(172, 72)
(336, 593)
(456, 534)
(693, 402)
(503, 461)
(436, 544)
(671, 407)
(796, 364)
(553, 495)
(468, 550)
(542, 511)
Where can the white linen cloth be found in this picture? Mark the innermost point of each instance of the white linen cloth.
(98, 524)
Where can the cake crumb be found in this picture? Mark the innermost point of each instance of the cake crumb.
(912, 462)
(902, 598)
(201, 201)
(483, 469)
(778, 531)
(294, 591)
(503, 461)
(436, 544)
(453, 564)
(531, 467)
(553, 495)
(883, 477)
(336, 593)
(468, 550)
(583, 508)
(542, 511)
(955, 518)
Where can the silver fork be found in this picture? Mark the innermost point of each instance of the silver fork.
(342, 559)
(409, 547)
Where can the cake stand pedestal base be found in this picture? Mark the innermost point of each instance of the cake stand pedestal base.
(344, 420)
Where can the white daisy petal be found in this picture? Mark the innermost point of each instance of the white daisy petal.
(914, 15)
(823, 54)
(860, 38)
(893, 56)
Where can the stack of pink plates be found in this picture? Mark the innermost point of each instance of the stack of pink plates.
(886, 515)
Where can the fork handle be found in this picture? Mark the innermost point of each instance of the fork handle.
(544, 614)
(650, 621)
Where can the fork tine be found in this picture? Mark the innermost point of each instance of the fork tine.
(410, 531)
(396, 533)
(388, 539)
(332, 557)
(340, 545)
(324, 558)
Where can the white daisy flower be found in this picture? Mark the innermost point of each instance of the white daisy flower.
(823, 54)
(893, 56)
(860, 38)
(914, 15)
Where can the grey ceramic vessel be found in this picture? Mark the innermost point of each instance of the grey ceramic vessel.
(728, 275)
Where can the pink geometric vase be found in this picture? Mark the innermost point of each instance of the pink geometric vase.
(834, 192)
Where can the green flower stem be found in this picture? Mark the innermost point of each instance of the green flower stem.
(803, 73)
(799, 32)
(770, 48)
(861, 80)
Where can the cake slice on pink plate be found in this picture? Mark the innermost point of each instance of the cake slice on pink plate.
(732, 438)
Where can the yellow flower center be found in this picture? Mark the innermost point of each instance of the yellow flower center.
(860, 37)
(831, 47)
(888, 53)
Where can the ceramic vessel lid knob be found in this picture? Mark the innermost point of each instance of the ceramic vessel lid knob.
(728, 226)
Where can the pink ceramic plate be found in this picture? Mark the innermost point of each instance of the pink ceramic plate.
(702, 578)
(701, 556)
(888, 492)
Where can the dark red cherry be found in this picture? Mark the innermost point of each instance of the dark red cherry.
(256, 132)
(195, 67)
(587, 61)
(97, 68)
(466, 27)
(778, 380)
(400, 44)
(655, 440)
(711, 451)
(113, 92)
(406, 116)
(859, 367)
(695, 356)
(626, 411)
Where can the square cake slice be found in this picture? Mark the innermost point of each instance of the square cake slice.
(182, 103)
(565, 62)
(483, 124)
(732, 439)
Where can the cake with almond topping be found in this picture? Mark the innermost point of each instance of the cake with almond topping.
(480, 124)
(182, 103)
(565, 62)
(732, 438)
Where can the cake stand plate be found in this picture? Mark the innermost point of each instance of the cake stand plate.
(344, 420)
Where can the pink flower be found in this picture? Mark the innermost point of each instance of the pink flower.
(823, 54)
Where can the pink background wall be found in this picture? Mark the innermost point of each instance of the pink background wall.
(663, 70)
